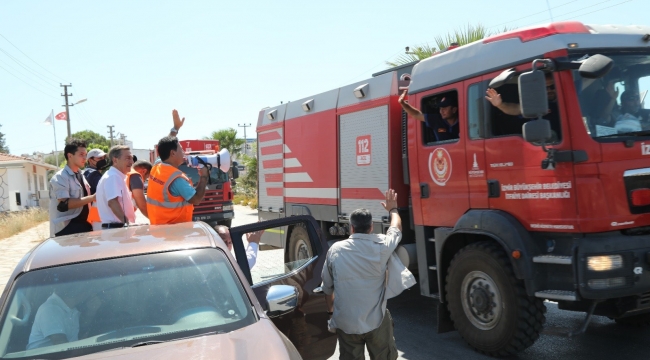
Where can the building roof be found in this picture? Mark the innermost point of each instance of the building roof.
(6, 159)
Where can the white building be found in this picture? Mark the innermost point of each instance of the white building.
(23, 183)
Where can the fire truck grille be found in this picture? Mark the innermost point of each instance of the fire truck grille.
(212, 202)
(637, 179)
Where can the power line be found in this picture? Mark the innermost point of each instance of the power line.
(591, 12)
(26, 83)
(27, 56)
(26, 76)
(41, 76)
(537, 13)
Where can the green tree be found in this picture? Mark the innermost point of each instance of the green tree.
(104, 148)
(3, 146)
(51, 159)
(228, 140)
(91, 137)
(249, 181)
(461, 36)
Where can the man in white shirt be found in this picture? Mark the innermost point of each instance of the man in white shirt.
(253, 240)
(113, 196)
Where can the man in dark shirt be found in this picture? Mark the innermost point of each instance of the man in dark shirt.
(135, 181)
(445, 125)
(96, 160)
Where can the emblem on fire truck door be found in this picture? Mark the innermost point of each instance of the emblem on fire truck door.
(440, 166)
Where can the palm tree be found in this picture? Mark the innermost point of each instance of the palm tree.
(228, 140)
(458, 37)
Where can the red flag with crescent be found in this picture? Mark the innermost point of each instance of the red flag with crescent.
(61, 116)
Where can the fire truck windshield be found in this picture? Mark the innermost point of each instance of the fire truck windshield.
(614, 106)
(216, 175)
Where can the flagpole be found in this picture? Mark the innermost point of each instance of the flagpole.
(56, 152)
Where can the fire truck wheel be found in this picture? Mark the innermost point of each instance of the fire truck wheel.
(641, 320)
(299, 247)
(488, 305)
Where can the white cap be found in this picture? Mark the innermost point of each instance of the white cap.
(95, 153)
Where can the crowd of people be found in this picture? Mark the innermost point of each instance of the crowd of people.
(109, 190)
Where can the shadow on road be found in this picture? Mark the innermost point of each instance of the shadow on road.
(416, 334)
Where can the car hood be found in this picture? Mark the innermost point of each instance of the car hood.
(261, 340)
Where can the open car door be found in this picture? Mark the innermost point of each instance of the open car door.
(290, 292)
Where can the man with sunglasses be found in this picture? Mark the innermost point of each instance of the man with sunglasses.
(552, 115)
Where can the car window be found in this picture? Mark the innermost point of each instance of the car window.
(115, 303)
(283, 250)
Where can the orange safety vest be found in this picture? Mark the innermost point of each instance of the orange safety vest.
(162, 206)
(93, 213)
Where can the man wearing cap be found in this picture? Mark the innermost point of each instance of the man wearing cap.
(96, 160)
(631, 109)
(445, 126)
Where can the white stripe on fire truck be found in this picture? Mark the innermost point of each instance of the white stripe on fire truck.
(297, 177)
(292, 163)
(319, 193)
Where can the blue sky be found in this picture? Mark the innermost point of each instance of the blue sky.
(220, 62)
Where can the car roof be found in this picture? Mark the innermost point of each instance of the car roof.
(127, 241)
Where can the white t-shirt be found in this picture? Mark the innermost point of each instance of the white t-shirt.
(113, 185)
(53, 317)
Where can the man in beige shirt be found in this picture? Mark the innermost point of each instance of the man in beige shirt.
(355, 270)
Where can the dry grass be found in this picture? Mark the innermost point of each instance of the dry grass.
(242, 199)
(19, 221)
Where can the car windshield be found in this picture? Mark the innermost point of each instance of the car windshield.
(216, 175)
(614, 106)
(77, 309)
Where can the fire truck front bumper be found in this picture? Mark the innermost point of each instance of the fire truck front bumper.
(613, 265)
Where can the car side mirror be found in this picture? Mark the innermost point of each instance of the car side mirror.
(533, 100)
(595, 66)
(537, 131)
(235, 170)
(281, 299)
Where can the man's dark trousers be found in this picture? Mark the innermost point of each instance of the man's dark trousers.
(380, 342)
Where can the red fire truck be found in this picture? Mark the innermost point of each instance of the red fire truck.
(551, 202)
(216, 207)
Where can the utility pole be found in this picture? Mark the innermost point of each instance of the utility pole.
(245, 138)
(67, 109)
(123, 138)
(110, 131)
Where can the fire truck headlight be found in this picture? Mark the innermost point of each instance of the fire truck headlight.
(604, 263)
(227, 208)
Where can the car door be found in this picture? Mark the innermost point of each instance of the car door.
(306, 324)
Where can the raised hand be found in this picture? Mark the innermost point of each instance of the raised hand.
(391, 200)
(401, 97)
(611, 90)
(178, 122)
(493, 97)
(254, 237)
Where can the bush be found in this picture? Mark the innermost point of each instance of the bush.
(252, 203)
(19, 221)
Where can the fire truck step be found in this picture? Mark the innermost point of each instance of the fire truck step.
(557, 295)
(553, 259)
(433, 267)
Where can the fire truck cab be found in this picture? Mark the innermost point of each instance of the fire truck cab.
(549, 199)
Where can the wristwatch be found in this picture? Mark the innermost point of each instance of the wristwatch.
(330, 313)
(174, 130)
(393, 209)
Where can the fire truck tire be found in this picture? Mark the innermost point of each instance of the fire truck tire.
(641, 320)
(488, 304)
(299, 246)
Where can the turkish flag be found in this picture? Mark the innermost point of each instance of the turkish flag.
(61, 116)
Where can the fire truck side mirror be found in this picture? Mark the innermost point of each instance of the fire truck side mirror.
(533, 99)
(235, 170)
(596, 66)
(537, 131)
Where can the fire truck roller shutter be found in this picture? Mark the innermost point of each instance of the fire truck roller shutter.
(507, 231)
(363, 150)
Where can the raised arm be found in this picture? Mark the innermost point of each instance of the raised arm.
(413, 112)
(494, 98)
(178, 123)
